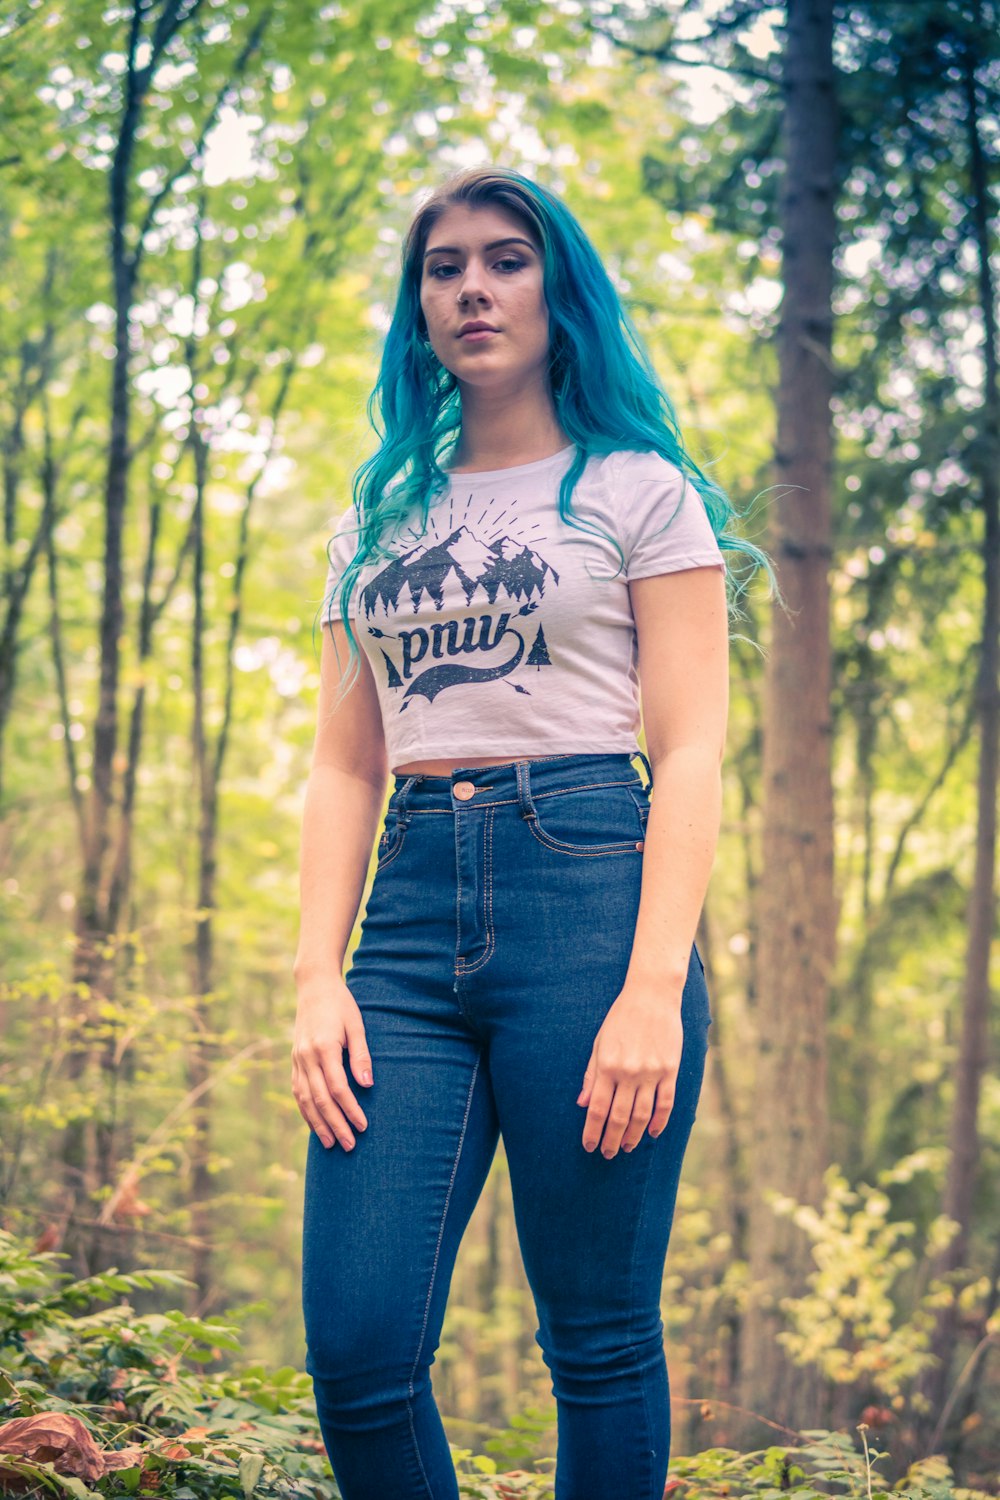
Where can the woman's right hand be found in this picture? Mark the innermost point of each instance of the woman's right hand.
(327, 1021)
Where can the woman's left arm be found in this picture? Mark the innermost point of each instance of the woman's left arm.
(682, 629)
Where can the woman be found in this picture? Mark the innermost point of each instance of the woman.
(529, 531)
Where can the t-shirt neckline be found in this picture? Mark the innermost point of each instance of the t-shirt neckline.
(537, 463)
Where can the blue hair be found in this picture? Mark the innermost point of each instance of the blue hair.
(605, 390)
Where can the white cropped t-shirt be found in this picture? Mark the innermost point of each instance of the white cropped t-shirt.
(504, 630)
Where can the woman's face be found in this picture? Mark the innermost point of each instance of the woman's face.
(484, 265)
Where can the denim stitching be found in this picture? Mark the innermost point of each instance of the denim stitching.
(581, 851)
(416, 1449)
(396, 848)
(458, 897)
(584, 786)
(631, 1314)
(437, 1256)
(485, 957)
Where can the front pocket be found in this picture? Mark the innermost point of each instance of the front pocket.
(591, 821)
(391, 841)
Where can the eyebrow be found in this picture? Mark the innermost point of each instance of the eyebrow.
(511, 239)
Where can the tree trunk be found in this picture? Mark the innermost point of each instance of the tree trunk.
(89, 961)
(972, 1054)
(797, 906)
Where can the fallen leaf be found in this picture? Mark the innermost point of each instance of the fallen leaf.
(175, 1451)
(123, 1458)
(56, 1438)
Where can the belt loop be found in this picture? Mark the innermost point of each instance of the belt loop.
(649, 769)
(526, 806)
(403, 815)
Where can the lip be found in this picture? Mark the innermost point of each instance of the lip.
(476, 330)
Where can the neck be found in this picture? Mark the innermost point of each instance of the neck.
(501, 429)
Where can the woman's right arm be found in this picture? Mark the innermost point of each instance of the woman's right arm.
(343, 804)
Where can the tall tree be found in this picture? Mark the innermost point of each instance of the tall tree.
(960, 43)
(797, 910)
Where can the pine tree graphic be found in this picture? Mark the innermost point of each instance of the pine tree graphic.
(394, 678)
(538, 656)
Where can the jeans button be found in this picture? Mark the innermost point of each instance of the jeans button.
(464, 790)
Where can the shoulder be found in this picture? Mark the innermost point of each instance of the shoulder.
(636, 466)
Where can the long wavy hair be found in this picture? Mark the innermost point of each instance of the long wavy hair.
(606, 392)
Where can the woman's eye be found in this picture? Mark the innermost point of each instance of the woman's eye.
(508, 263)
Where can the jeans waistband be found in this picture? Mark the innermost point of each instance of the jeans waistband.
(513, 782)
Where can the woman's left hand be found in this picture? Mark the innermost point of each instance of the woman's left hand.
(632, 1073)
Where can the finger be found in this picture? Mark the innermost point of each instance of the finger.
(314, 1120)
(331, 1061)
(642, 1111)
(664, 1104)
(357, 1048)
(304, 1101)
(618, 1119)
(600, 1103)
(328, 1103)
(583, 1097)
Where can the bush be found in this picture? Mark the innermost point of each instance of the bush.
(114, 1402)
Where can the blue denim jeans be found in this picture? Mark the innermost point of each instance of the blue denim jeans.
(497, 936)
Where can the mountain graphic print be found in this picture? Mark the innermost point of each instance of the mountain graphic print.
(463, 576)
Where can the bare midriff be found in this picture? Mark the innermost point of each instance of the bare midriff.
(446, 767)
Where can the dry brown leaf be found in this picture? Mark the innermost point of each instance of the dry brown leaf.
(878, 1416)
(504, 1492)
(49, 1239)
(54, 1437)
(131, 1457)
(174, 1450)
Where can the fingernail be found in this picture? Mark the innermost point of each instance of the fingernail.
(366, 1077)
(626, 1148)
(326, 1140)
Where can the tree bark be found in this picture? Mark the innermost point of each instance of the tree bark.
(797, 905)
(960, 1183)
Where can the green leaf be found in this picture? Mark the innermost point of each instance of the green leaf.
(251, 1468)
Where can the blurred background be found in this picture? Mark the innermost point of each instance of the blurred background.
(201, 209)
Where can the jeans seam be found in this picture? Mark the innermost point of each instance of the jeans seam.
(458, 896)
(437, 1257)
(631, 1314)
(419, 812)
(484, 957)
(582, 786)
(388, 858)
(583, 851)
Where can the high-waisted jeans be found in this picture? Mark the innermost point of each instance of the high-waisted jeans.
(496, 938)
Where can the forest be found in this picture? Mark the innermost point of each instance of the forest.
(201, 212)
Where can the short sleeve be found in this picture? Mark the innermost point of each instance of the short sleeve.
(340, 550)
(664, 525)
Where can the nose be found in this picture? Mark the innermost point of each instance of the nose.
(472, 283)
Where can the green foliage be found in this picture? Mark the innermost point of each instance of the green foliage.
(825, 1464)
(852, 1322)
(283, 263)
(134, 1385)
(137, 1381)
